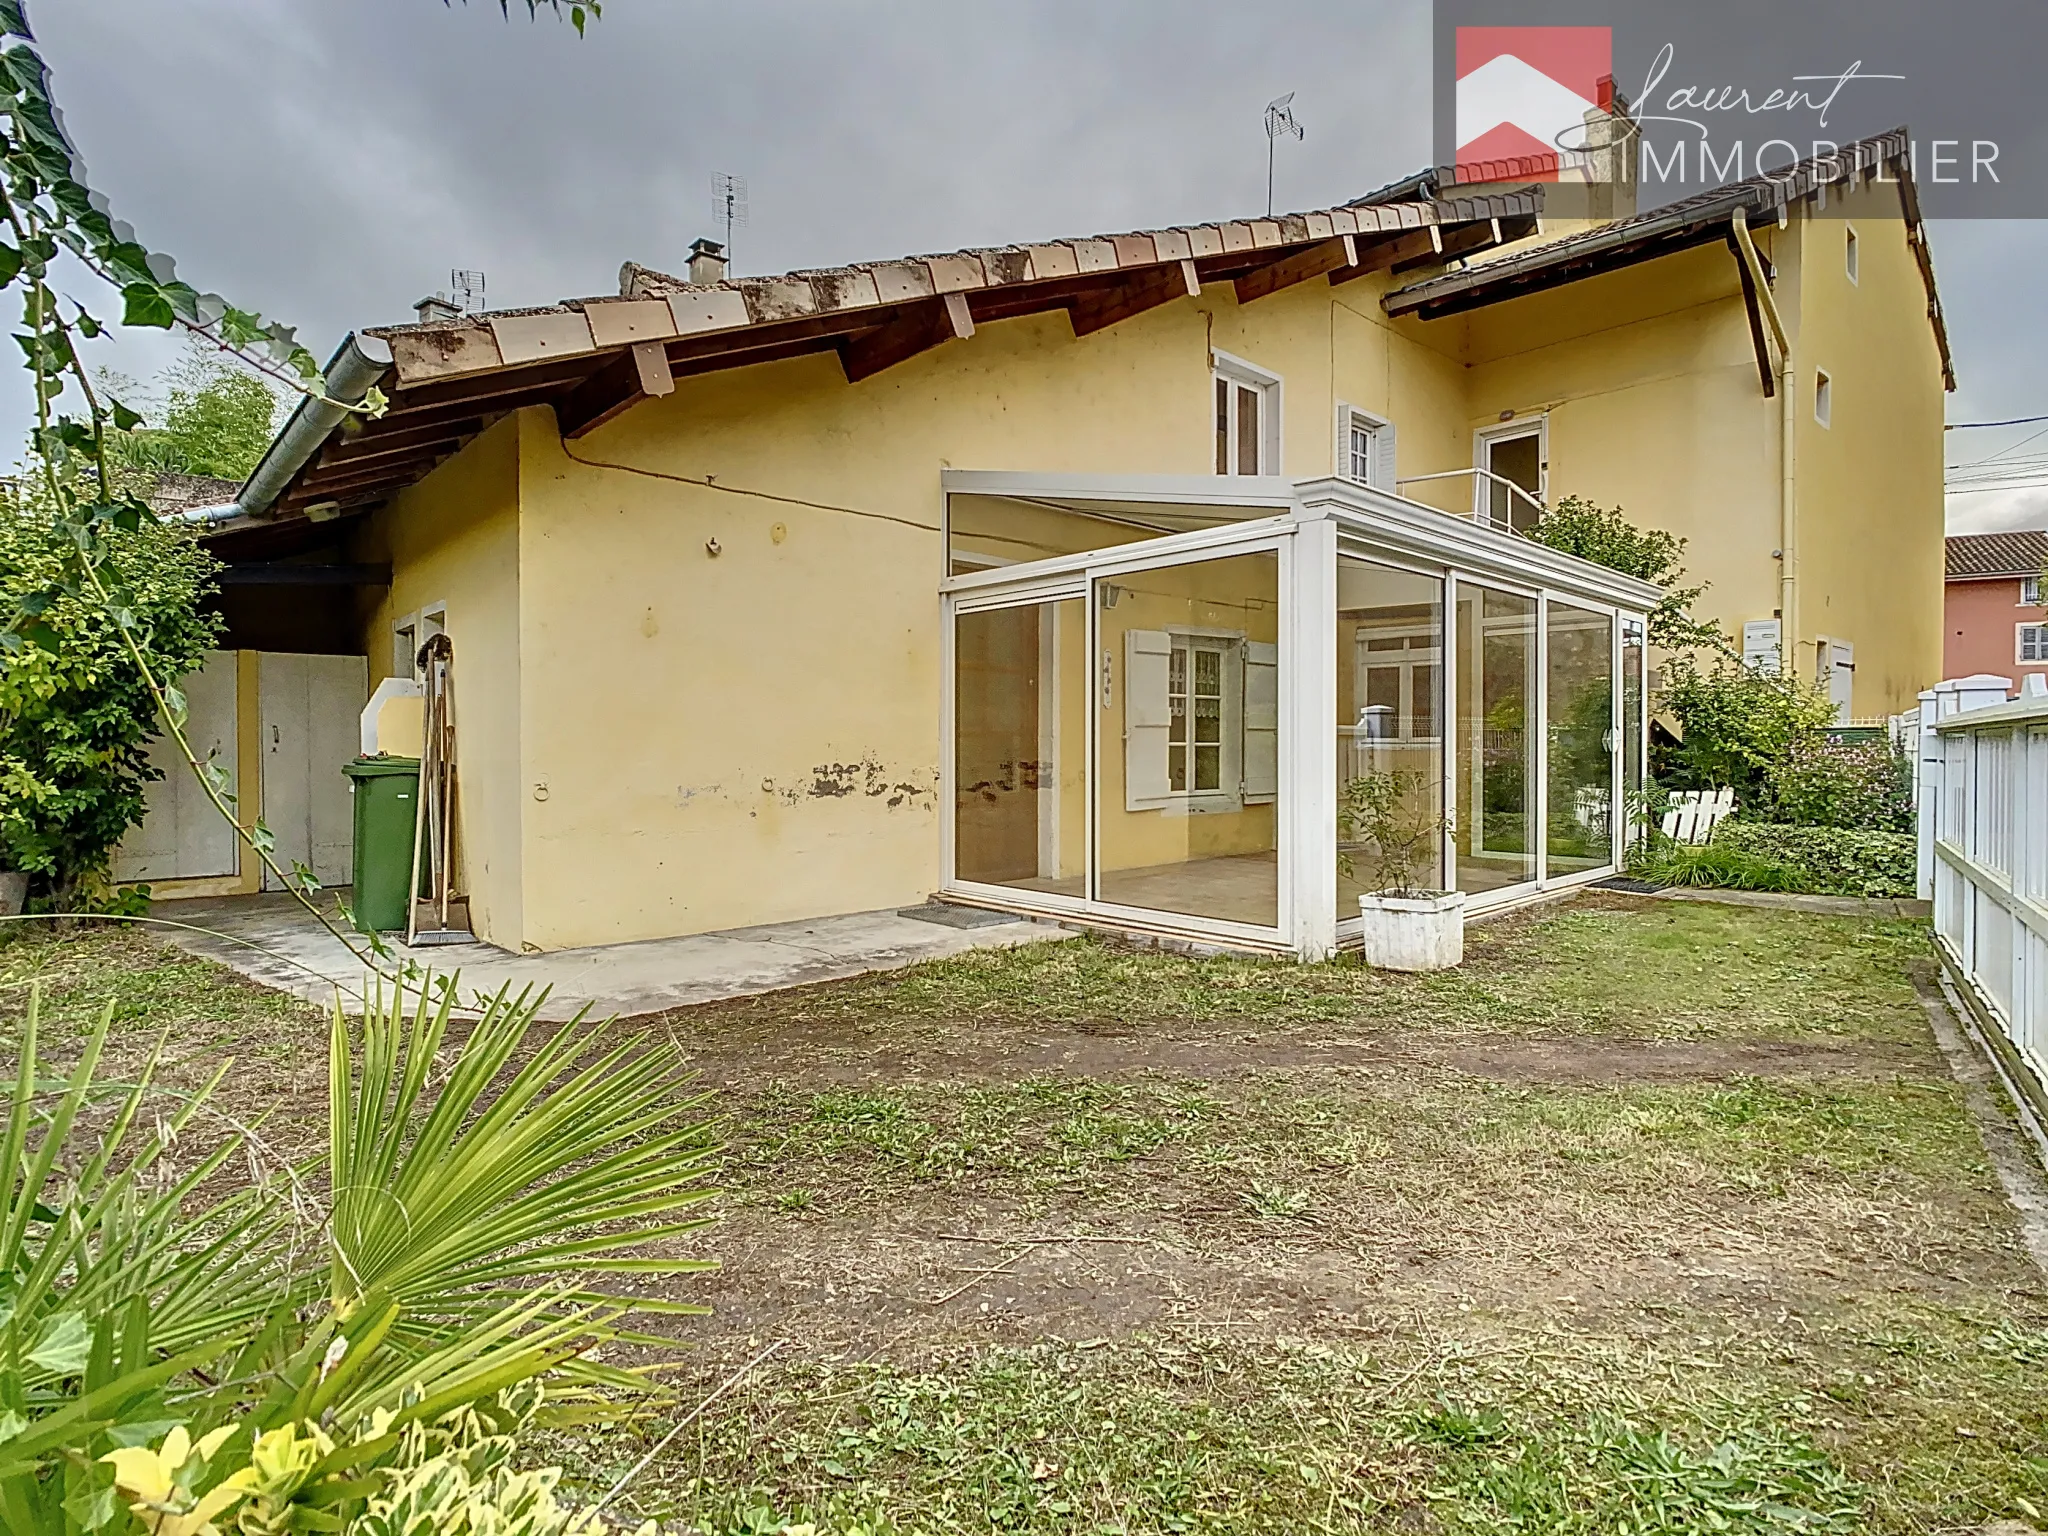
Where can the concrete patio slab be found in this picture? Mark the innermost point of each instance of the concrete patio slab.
(271, 939)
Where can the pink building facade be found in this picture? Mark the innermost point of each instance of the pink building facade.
(1995, 619)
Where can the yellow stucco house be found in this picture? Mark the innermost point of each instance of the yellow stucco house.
(1090, 578)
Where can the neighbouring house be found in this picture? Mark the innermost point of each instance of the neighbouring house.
(1083, 578)
(1996, 622)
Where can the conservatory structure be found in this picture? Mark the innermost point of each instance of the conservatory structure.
(1220, 710)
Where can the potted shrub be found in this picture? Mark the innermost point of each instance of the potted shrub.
(1389, 819)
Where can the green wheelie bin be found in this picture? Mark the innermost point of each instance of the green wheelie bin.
(386, 791)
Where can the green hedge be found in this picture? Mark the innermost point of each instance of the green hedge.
(1834, 860)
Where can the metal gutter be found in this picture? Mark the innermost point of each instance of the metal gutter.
(358, 363)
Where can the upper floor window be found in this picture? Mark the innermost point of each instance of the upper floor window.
(1849, 255)
(1823, 399)
(1365, 447)
(2030, 591)
(2033, 642)
(1247, 418)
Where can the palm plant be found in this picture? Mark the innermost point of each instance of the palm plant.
(482, 1198)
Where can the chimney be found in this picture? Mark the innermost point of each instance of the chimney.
(707, 261)
(434, 309)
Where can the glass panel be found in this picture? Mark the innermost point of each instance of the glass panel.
(1019, 816)
(1517, 459)
(1390, 766)
(1631, 717)
(1580, 719)
(1247, 430)
(1496, 775)
(986, 531)
(1188, 733)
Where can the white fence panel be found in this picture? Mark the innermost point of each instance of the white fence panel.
(1983, 808)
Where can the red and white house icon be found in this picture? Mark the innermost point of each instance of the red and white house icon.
(1523, 96)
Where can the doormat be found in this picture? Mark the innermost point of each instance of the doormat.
(1627, 883)
(947, 915)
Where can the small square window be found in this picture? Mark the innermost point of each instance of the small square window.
(2033, 642)
(2030, 591)
(1849, 257)
(1823, 399)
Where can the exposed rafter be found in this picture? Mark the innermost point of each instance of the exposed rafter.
(1342, 251)
(1098, 310)
(1385, 255)
(929, 325)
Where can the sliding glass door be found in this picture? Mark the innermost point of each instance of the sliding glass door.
(1494, 831)
(1580, 745)
(1020, 812)
(1187, 739)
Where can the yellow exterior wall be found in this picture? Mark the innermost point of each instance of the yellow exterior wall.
(1647, 383)
(1869, 552)
(454, 539)
(698, 650)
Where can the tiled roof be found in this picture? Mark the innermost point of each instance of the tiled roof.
(652, 305)
(2021, 553)
(591, 358)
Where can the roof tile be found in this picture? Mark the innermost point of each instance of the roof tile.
(2020, 553)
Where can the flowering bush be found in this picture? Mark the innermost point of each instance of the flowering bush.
(1855, 785)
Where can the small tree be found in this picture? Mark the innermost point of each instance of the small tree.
(76, 714)
(1738, 723)
(1394, 813)
(1604, 536)
(217, 420)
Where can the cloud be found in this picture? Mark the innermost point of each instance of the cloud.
(329, 163)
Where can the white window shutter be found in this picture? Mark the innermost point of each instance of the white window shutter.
(1383, 458)
(1148, 660)
(1261, 723)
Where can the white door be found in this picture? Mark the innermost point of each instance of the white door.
(1841, 678)
(182, 836)
(311, 722)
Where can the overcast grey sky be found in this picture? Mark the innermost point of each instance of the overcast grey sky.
(328, 161)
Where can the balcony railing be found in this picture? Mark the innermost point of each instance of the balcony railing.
(1478, 494)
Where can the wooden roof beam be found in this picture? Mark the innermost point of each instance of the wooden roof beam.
(1326, 256)
(641, 372)
(1384, 255)
(1150, 288)
(930, 324)
(352, 447)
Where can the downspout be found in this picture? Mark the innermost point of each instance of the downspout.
(357, 364)
(1788, 504)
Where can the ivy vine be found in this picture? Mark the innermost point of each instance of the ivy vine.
(49, 209)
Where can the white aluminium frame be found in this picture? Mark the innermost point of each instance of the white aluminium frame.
(1306, 526)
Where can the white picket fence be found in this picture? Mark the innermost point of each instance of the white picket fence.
(1982, 798)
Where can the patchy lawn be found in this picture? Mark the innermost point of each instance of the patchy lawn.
(1655, 1217)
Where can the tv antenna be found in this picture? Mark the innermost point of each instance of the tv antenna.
(466, 288)
(729, 202)
(1279, 120)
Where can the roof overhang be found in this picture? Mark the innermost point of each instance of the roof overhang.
(589, 359)
(1685, 225)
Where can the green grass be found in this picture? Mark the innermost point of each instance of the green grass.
(1498, 1430)
(847, 1149)
(1673, 970)
(1416, 1283)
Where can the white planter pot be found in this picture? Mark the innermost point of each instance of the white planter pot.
(1414, 933)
